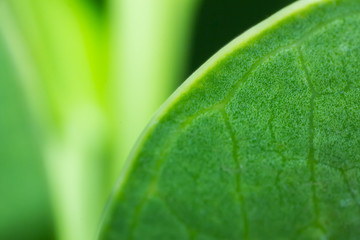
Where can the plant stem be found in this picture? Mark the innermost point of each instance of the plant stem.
(150, 41)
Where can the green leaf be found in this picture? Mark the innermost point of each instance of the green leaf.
(262, 142)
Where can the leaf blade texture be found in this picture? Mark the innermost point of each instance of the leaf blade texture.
(260, 143)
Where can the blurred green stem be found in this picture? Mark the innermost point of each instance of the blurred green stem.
(150, 40)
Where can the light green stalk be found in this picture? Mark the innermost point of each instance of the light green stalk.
(149, 44)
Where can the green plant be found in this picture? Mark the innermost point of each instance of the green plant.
(262, 142)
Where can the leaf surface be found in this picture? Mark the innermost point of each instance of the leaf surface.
(262, 142)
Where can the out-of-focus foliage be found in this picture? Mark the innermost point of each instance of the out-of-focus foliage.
(58, 56)
(88, 103)
(24, 203)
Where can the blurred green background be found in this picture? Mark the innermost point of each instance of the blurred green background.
(79, 80)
